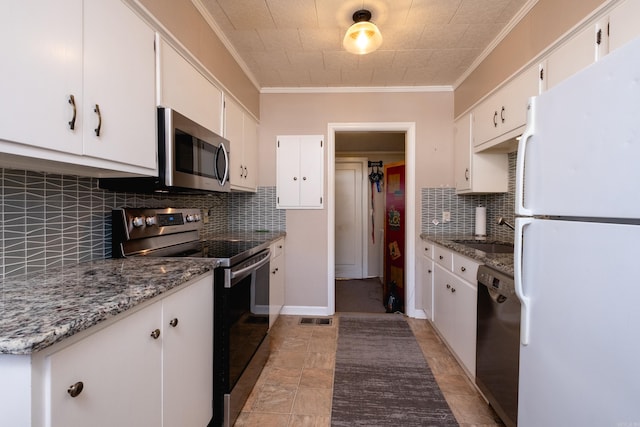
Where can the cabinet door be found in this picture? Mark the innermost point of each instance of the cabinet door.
(119, 65)
(571, 57)
(41, 68)
(187, 362)
(515, 98)
(623, 23)
(427, 286)
(300, 166)
(443, 308)
(182, 87)
(463, 337)
(120, 368)
(311, 168)
(462, 146)
(234, 132)
(276, 287)
(250, 152)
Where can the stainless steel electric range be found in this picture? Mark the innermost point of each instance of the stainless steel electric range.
(241, 294)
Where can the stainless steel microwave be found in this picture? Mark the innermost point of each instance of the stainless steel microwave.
(191, 159)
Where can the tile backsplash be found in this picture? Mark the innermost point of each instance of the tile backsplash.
(53, 220)
(462, 208)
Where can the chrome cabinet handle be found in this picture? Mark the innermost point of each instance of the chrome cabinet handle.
(246, 172)
(502, 114)
(463, 269)
(448, 286)
(495, 119)
(155, 334)
(466, 174)
(295, 178)
(72, 122)
(241, 171)
(429, 271)
(304, 178)
(75, 389)
(275, 270)
(97, 111)
(173, 322)
(441, 257)
(453, 290)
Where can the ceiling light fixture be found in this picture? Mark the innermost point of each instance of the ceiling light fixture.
(363, 36)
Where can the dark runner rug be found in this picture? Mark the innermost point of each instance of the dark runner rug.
(381, 377)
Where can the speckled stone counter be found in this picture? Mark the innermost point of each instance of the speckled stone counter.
(257, 236)
(501, 262)
(40, 309)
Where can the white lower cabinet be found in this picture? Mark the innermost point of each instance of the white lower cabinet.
(427, 279)
(152, 368)
(276, 282)
(454, 315)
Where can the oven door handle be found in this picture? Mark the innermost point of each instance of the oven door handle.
(243, 272)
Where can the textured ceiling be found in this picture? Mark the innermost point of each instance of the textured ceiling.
(298, 43)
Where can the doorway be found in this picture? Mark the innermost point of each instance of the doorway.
(363, 142)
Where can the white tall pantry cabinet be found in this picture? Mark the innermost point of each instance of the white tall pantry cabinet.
(299, 176)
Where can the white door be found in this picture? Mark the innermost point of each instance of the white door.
(350, 227)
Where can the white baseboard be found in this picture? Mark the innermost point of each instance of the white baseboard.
(301, 310)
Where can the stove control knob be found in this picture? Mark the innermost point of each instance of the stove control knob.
(150, 220)
(138, 221)
(190, 218)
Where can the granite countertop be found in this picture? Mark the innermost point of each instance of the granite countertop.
(500, 262)
(43, 308)
(258, 236)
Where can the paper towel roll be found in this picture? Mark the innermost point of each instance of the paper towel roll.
(481, 221)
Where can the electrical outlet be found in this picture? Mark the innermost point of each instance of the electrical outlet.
(446, 216)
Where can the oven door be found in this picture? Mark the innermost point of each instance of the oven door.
(241, 346)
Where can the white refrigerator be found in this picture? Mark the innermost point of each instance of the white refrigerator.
(577, 249)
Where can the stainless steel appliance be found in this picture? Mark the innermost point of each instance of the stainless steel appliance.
(191, 159)
(241, 294)
(498, 342)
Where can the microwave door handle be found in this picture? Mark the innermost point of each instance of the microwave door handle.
(225, 175)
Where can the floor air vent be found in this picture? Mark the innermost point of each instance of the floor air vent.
(315, 321)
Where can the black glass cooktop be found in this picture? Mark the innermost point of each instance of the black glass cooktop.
(229, 248)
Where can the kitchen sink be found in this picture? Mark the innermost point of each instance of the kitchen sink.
(490, 248)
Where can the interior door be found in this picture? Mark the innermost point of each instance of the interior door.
(349, 220)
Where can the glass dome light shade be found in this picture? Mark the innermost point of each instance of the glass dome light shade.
(362, 37)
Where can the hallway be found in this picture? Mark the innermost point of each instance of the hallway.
(359, 296)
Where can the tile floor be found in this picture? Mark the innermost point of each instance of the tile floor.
(295, 388)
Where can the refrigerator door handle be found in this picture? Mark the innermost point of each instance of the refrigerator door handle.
(522, 148)
(525, 302)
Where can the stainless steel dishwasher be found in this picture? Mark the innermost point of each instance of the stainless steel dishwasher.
(498, 343)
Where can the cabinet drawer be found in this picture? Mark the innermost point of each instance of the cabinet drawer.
(443, 257)
(465, 268)
(277, 248)
(427, 249)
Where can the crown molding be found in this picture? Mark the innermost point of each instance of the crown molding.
(352, 89)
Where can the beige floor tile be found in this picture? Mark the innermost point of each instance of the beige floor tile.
(287, 359)
(309, 421)
(313, 401)
(317, 378)
(320, 360)
(297, 343)
(471, 410)
(247, 419)
(456, 384)
(275, 375)
(275, 399)
(323, 345)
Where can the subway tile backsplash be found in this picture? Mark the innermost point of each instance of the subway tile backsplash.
(462, 208)
(53, 220)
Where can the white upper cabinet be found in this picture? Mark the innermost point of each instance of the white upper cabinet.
(242, 131)
(623, 23)
(78, 87)
(569, 58)
(299, 172)
(40, 75)
(183, 88)
(477, 172)
(119, 64)
(503, 115)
